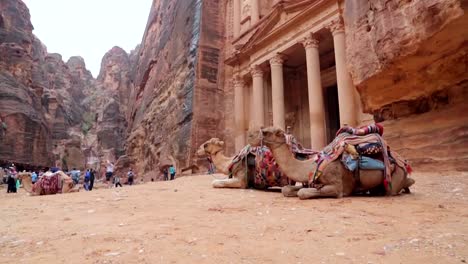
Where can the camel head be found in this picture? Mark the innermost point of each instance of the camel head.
(267, 135)
(67, 182)
(24, 175)
(211, 147)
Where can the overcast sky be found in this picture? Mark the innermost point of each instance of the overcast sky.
(89, 28)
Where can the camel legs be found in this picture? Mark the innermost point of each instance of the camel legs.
(290, 190)
(227, 183)
(325, 191)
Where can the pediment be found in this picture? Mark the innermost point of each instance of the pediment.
(276, 19)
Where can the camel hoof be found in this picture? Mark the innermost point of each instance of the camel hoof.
(216, 184)
(289, 191)
(307, 193)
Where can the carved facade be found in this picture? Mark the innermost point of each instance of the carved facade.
(290, 57)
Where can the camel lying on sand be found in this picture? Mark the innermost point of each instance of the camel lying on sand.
(336, 180)
(65, 183)
(214, 149)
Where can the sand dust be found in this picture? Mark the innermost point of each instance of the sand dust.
(187, 221)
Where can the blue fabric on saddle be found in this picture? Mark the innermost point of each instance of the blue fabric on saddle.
(364, 163)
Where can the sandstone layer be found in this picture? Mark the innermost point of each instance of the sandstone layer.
(54, 113)
(175, 105)
(413, 74)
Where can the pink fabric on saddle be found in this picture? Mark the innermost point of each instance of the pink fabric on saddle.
(48, 184)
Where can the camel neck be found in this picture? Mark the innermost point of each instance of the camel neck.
(27, 184)
(221, 162)
(288, 164)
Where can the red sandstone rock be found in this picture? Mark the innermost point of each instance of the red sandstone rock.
(409, 62)
(176, 102)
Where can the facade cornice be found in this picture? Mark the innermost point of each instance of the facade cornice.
(264, 29)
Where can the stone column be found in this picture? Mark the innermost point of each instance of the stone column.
(239, 112)
(277, 91)
(348, 112)
(257, 94)
(316, 104)
(237, 18)
(254, 12)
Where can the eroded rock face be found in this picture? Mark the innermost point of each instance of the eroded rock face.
(55, 113)
(24, 131)
(174, 105)
(413, 75)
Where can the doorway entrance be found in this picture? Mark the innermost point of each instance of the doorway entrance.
(332, 111)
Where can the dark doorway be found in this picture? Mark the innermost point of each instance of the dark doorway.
(332, 114)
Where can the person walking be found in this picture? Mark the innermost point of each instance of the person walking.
(75, 175)
(109, 170)
(117, 181)
(130, 176)
(86, 179)
(172, 171)
(11, 181)
(165, 174)
(34, 177)
(91, 179)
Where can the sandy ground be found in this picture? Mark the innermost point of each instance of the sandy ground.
(187, 221)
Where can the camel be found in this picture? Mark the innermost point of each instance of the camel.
(214, 149)
(65, 182)
(335, 181)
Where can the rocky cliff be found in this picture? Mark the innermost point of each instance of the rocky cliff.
(55, 113)
(175, 105)
(413, 75)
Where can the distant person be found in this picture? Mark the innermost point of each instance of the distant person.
(87, 179)
(75, 175)
(109, 170)
(166, 173)
(172, 171)
(34, 177)
(91, 179)
(117, 181)
(130, 176)
(11, 181)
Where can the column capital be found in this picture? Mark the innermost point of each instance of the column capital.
(237, 80)
(310, 42)
(277, 60)
(336, 26)
(256, 71)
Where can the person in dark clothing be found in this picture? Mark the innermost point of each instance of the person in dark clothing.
(130, 176)
(91, 179)
(11, 184)
(165, 174)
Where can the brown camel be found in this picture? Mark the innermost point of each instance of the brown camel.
(336, 180)
(213, 148)
(65, 182)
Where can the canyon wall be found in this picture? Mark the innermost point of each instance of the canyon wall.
(413, 75)
(175, 104)
(54, 113)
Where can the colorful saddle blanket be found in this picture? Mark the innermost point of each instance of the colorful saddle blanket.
(337, 147)
(267, 173)
(48, 184)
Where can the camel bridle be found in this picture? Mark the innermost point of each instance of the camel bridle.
(263, 140)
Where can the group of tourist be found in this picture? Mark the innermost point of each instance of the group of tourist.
(9, 176)
(169, 171)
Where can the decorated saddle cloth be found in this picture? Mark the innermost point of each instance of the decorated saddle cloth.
(48, 184)
(336, 148)
(267, 173)
(296, 147)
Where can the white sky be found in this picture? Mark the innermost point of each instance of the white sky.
(88, 28)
